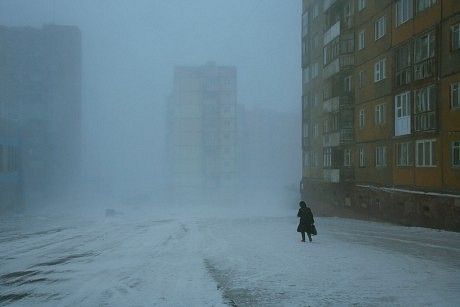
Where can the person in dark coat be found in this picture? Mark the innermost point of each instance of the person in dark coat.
(306, 221)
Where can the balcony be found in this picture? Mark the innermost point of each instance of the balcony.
(331, 175)
(336, 104)
(327, 4)
(346, 135)
(337, 138)
(403, 77)
(336, 175)
(424, 69)
(342, 62)
(331, 33)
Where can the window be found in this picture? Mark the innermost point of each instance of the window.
(347, 84)
(403, 154)
(456, 37)
(424, 47)
(314, 70)
(315, 130)
(315, 11)
(327, 157)
(362, 157)
(380, 156)
(379, 28)
(455, 95)
(424, 4)
(305, 103)
(347, 157)
(456, 153)
(305, 23)
(361, 5)
(361, 118)
(314, 159)
(403, 11)
(305, 130)
(361, 79)
(306, 75)
(326, 126)
(402, 114)
(379, 117)
(379, 70)
(426, 153)
(361, 41)
(403, 59)
(315, 99)
(425, 107)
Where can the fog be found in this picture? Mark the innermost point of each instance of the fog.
(129, 52)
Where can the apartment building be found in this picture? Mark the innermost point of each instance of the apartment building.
(395, 66)
(202, 132)
(40, 104)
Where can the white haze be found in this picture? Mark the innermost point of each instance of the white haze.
(130, 48)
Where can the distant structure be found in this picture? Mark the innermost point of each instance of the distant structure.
(269, 154)
(202, 132)
(381, 109)
(40, 111)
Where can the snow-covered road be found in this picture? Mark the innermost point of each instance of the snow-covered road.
(223, 259)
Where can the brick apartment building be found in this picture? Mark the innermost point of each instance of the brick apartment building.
(381, 109)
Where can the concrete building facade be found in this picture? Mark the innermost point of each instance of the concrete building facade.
(396, 66)
(40, 93)
(202, 131)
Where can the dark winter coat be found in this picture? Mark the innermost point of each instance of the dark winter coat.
(306, 220)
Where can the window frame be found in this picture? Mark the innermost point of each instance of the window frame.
(362, 4)
(404, 11)
(327, 157)
(455, 31)
(361, 39)
(362, 157)
(380, 28)
(430, 45)
(457, 106)
(379, 114)
(347, 160)
(432, 153)
(380, 156)
(362, 118)
(455, 146)
(417, 5)
(380, 70)
(425, 100)
(407, 161)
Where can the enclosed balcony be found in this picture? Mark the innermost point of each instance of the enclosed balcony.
(341, 62)
(424, 69)
(336, 104)
(337, 175)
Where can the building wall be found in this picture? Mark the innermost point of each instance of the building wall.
(41, 83)
(202, 131)
(441, 123)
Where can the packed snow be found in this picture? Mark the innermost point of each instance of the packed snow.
(233, 257)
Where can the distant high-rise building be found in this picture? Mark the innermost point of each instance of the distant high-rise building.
(202, 131)
(381, 108)
(40, 92)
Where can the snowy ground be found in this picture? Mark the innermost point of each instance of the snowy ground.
(236, 258)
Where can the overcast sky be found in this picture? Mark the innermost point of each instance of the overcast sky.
(130, 48)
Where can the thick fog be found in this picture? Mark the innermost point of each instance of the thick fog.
(129, 52)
